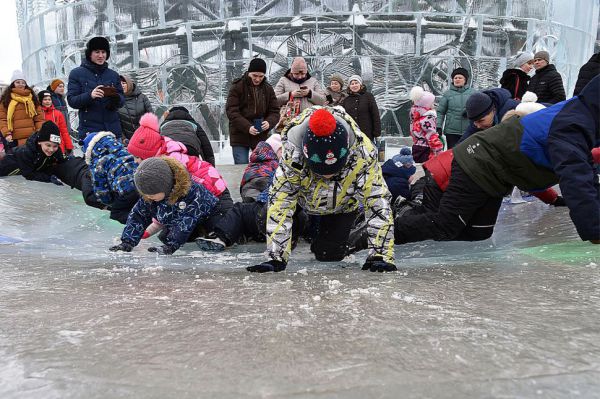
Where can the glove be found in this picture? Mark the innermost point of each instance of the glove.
(377, 264)
(56, 180)
(269, 266)
(122, 247)
(559, 201)
(439, 131)
(162, 250)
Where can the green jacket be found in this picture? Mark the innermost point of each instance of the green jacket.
(451, 108)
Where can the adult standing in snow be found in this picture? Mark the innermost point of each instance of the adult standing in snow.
(587, 72)
(252, 110)
(136, 105)
(547, 83)
(450, 120)
(95, 90)
(298, 89)
(362, 107)
(329, 168)
(516, 78)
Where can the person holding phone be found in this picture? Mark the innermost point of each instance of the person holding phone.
(95, 90)
(298, 89)
(252, 110)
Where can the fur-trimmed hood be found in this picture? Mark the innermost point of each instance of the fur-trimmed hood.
(101, 144)
(182, 181)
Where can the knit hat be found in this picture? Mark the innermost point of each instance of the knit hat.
(460, 71)
(543, 55)
(257, 65)
(325, 143)
(404, 157)
(87, 140)
(338, 78)
(421, 97)
(274, 141)
(44, 93)
(97, 43)
(529, 104)
(49, 132)
(17, 75)
(478, 104)
(520, 59)
(153, 176)
(146, 141)
(355, 77)
(299, 65)
(55, 83)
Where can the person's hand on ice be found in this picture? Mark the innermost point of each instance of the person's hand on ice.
(162, 250)
(56, 180)
(269, 266)
(121, 247)
(377, 264)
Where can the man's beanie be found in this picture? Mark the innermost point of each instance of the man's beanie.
(478, 104)
(146, 140)
(257, 65)
(55, 83)
(49, 132)
(153, 176)
(543, 55)
(97, 43)
(325, 143)
(44, 93)
(460, 71)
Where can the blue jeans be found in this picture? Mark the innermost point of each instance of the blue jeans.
(241, 154)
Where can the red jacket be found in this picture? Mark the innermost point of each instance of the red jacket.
(54, 115)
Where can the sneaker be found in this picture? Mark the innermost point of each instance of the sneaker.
(210, 244)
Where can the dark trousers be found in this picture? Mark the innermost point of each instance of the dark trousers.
(122, 205)
(464, 212)
(452, 139)
(75, 173)
(330, 243)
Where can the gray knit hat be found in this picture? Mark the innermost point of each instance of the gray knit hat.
(543, 55)
(153, 176)
(520, 59)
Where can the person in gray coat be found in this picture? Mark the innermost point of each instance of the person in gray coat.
(136, 105)
(298, 87)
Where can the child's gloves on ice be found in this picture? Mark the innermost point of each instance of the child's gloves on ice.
(269, 266)
(162, 250)
(377, 264)
(122, 247)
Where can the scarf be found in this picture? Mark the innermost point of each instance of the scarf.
(24, 97)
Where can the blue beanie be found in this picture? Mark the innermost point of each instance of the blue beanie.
(86, 141)
(478, 105)
(404, 157)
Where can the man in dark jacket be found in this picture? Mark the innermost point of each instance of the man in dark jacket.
(550, 146)
(95, 90)
(136, 105)
(486, 109)
(252, 110)
(587, 72)
(547, 83)
(179, 125)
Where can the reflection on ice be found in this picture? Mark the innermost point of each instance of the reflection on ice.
(515, 316)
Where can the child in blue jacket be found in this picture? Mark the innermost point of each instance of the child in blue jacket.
(170, 196)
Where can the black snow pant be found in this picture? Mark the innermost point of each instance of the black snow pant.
(207, 225)
(74, 172)
(464, 212)
(120, 207)
(330, 243)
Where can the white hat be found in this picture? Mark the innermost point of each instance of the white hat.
(520, 59)
(528, 104)
(355, 77)
(17, 75)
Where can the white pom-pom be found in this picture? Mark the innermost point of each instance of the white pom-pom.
(416, 93)
(529, 97)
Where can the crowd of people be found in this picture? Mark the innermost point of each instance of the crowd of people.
(312, 170)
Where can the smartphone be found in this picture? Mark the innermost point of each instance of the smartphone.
(303, 87)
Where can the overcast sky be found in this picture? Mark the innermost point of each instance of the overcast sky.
(10, 47)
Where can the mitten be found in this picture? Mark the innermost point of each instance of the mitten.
(377, 264)
(559, 201)
(162, 250)
(56, 180)
(269, 266)
(125, 247)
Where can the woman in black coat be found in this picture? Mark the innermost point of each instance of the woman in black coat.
(587, 72)
(136, 105)
(362, 107)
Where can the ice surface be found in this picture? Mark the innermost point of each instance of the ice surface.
(516, 316)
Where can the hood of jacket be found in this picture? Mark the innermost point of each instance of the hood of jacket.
(389, 168)
(499, 96)
(102, 144)
(179, 114)
(288, 75)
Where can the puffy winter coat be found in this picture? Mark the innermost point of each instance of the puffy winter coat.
(23, 125)
(396, 178)
(547, 84)
(538, 150)
(54, 115)
(286, 85)
(359, 183)
(423, 130)
(502, 103)
(60, 103)
(100, 114)
(451, 108)
(257, 175)
(180, 126)
(136, 105)
(245, 103)
(587, 72)
(362, 107)
(516, 81)
(30, 161)
(111, 167)
(188, 204)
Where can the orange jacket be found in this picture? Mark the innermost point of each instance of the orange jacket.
(54, 115)
(23, 124)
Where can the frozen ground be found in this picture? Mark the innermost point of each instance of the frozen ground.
(513, 317)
